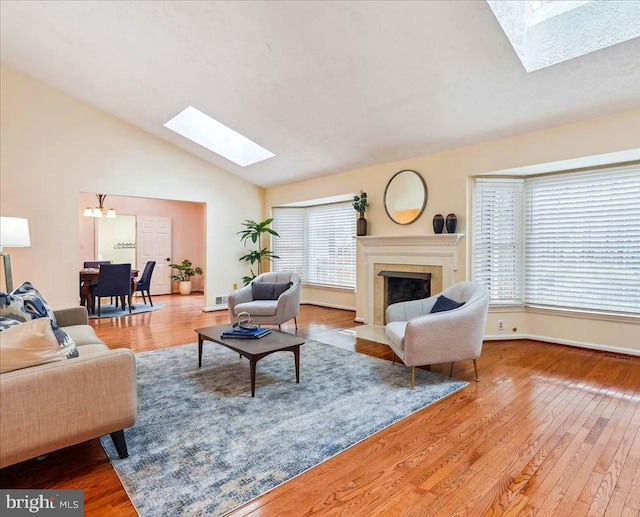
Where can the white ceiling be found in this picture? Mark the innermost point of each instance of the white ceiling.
(326, 86)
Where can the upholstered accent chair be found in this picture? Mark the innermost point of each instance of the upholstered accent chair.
(420, 337)
(270, 299)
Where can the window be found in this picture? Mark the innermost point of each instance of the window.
(215, 136)
(574, 243)
(318, 243)
(498, 239)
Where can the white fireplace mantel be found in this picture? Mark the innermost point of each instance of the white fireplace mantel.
(440, 250)
(438, 239)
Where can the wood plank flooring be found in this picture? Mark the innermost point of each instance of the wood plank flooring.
(548, 430)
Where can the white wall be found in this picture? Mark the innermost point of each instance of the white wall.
(55, 146)
(447, 177)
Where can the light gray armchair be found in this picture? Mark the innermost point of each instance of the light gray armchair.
(420, 338)
(263, 301)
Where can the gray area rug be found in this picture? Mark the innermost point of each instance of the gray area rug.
(113, 311)
(203, 446)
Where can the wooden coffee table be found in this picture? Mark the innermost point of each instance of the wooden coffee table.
(253, 349)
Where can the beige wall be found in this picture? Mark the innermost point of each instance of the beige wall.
(447, 177)
(188, 238)
(53, 147)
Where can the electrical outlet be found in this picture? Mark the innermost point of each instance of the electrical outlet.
(500, 325)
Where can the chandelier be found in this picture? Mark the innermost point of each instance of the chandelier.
(100, 210)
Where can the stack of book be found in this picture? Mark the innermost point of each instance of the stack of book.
(243, 333)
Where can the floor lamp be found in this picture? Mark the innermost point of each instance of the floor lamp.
(14, 233)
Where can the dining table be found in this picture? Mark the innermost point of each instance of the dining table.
(88, 275)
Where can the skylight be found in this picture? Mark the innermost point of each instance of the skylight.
(215, 136)
(547, 32)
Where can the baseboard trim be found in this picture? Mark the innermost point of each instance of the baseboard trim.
(504, 337)
(215, 308)
(566, 342)
(582, 344)
(330, 306)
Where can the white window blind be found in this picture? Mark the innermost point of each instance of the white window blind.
(498, 238)
(317, 242)
(583, 240)
(290, 223)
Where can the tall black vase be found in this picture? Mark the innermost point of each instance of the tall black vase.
(452, 223)
(438, 223)
(361, 226)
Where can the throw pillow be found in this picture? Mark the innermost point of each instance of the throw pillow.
(445, 304)
(269, 290)
(29, 344)
(7, 323)
(26, 303)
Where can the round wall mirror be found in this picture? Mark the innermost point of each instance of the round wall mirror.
(405, 197)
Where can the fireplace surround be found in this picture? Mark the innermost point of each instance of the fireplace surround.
(402, 286)
(436, 255)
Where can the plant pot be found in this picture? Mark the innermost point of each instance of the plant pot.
(185, 287)
(361, 226)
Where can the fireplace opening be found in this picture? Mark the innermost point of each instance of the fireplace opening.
(402, 286)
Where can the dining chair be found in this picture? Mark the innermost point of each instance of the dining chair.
(93, 264)
(113, 280)
(144, 284)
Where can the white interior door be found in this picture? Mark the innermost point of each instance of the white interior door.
(154, 243)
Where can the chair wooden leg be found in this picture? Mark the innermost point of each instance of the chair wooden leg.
(143, 297)
(120, 443)
(128, 298)
(394, 358)
(413, 377)
(451, 371)
(279, 327)
(475, 367)
(295, 320)
(150, 300)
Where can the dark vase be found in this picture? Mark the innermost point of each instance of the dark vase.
(361, 226)
(438, 223)
(452, 223)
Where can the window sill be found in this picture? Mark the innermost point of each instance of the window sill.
(584, 314)
(568, 313)
(330, 287)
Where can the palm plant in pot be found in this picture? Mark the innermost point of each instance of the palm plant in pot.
(253, 232)
(185, 272)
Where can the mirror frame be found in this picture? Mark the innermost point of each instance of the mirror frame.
(424, 203)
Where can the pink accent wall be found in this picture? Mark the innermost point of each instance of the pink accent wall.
(188, 227)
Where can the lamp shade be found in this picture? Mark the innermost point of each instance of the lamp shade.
(14, 232)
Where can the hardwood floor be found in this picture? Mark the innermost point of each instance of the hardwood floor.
(548, 430)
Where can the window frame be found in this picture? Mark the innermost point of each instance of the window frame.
(626, 176)
(344, 240)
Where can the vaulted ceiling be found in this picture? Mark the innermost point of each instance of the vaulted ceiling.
(326, 86)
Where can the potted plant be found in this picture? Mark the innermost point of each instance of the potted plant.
(185, 272)
(253, 232)
(360, 204)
